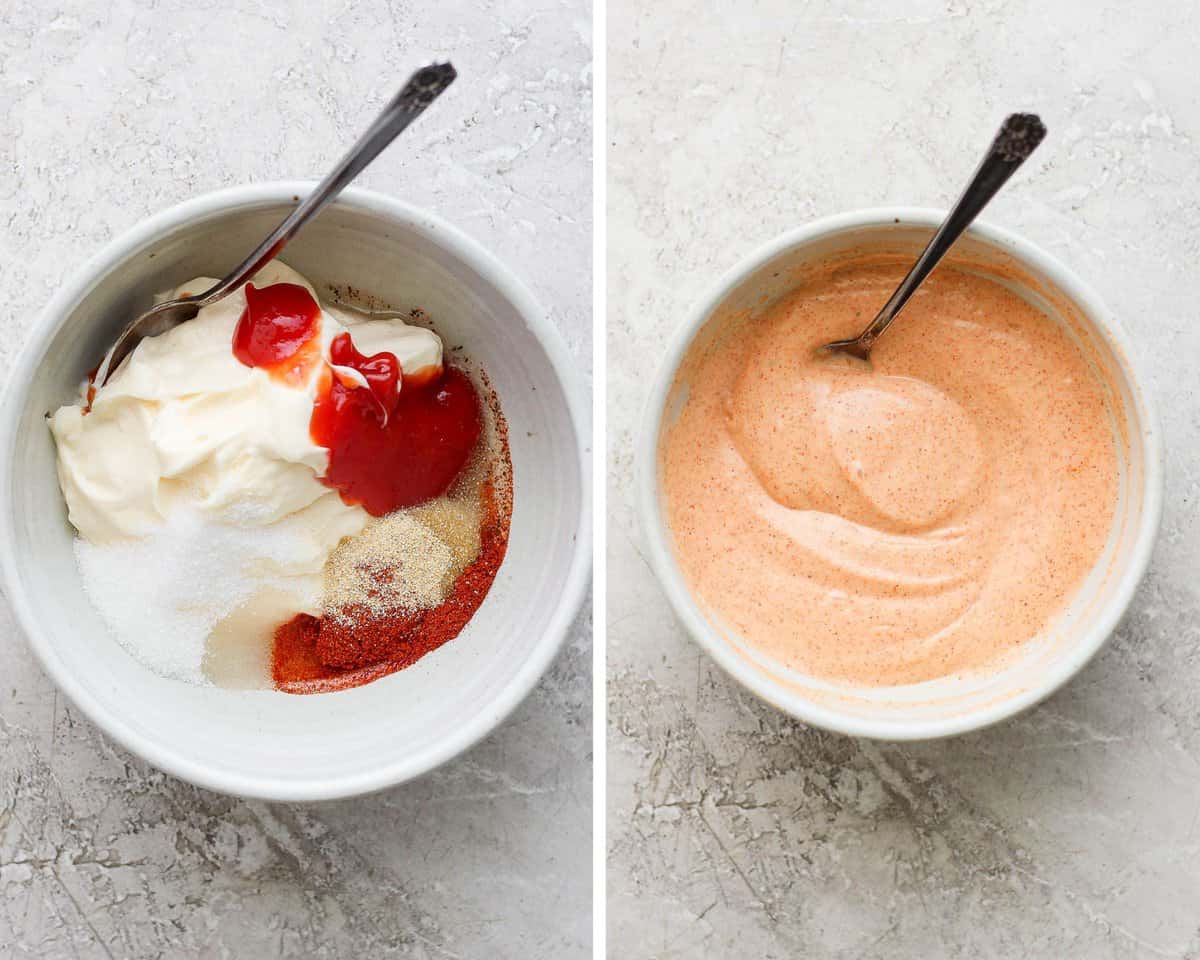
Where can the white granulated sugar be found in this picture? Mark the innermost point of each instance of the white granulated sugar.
(162, 595)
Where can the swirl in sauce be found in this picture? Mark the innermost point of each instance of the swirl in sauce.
(896, 523)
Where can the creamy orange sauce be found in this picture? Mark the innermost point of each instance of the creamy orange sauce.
(893, 523)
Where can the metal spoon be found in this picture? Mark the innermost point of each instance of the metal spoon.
(422, 89)
(1017, 139)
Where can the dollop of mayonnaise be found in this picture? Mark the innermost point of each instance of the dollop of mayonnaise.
(183, 425)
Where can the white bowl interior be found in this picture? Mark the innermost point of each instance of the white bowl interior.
(269, 743)
(960, 702)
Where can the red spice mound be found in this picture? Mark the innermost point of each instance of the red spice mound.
(359, 645)
(295, 651)
(358, 636)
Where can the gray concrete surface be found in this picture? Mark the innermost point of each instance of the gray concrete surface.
(1074, 830)
(110, 111)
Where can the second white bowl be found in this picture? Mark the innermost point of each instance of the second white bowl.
(953, 704)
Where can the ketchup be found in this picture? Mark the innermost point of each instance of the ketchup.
(389, 448)
(278, 330)
(397, 441)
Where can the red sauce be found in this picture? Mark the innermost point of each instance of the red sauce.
(278, 331)
(390, 450)
(397, 443)
(91, 389)
(381, 372)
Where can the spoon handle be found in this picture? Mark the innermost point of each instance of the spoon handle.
(422, 88)
(1017, 139)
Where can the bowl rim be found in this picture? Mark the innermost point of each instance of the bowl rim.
(1114, 604)
(567, 604)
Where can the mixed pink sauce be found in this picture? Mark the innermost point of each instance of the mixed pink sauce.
(899, 522)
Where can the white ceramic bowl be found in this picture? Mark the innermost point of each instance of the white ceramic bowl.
(264, 743)
(956, 704)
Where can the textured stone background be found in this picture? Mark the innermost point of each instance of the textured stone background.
(1074, 830)
(112, 110)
